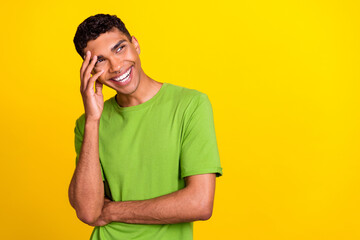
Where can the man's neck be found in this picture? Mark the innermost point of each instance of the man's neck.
(147, 89)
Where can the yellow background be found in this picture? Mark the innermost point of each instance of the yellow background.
(283, 79)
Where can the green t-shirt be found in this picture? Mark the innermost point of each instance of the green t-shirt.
(146, 151)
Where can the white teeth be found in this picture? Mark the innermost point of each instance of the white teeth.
(123, 77)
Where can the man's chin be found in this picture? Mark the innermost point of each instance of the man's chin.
(125, 91)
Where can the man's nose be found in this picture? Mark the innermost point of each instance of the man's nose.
(115, 64)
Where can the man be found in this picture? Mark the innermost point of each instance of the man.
(147, 159)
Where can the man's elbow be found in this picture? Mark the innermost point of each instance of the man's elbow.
(203, 209)
(205, 213)
(88, 217)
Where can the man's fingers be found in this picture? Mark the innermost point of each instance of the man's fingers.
(91, 81)
(90, 67)
(98, 86)
(82, 70)
(87, 73)
(85, 64)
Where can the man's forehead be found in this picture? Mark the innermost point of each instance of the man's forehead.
(106, 41)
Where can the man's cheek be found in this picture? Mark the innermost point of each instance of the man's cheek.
(101, 79)
(94, 71)
(97, 68)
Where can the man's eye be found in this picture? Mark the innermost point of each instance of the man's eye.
(119, 49)
(99, 61)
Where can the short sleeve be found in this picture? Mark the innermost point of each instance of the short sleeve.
(79, 136)
(199, 151)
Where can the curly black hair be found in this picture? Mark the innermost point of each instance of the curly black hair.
(92, 27)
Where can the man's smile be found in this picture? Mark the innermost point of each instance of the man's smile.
(123, 77)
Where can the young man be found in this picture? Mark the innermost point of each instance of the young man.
(147, 158)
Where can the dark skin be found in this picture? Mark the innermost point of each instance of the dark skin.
(86, 191)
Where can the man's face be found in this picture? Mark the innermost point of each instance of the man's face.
(119, 58)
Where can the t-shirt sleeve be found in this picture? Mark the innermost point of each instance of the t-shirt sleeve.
(199, 151)
(79, 136)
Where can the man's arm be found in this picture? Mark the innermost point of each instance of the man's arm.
(86, 190)
(194, 202)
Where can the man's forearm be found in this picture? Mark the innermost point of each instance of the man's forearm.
(86, 191)
(192, 203)
(168, 209)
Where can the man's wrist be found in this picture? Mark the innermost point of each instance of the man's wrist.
(91, 122)
(109, 212)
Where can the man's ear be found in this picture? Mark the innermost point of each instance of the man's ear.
(136, 44)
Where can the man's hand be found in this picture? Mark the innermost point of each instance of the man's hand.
(104, 218)
(93, 101)
(86, 190)
(192, 203)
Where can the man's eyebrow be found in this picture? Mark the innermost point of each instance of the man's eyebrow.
(117, 45)
(113, 48)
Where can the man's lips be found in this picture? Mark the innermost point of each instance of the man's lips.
(122, 77)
